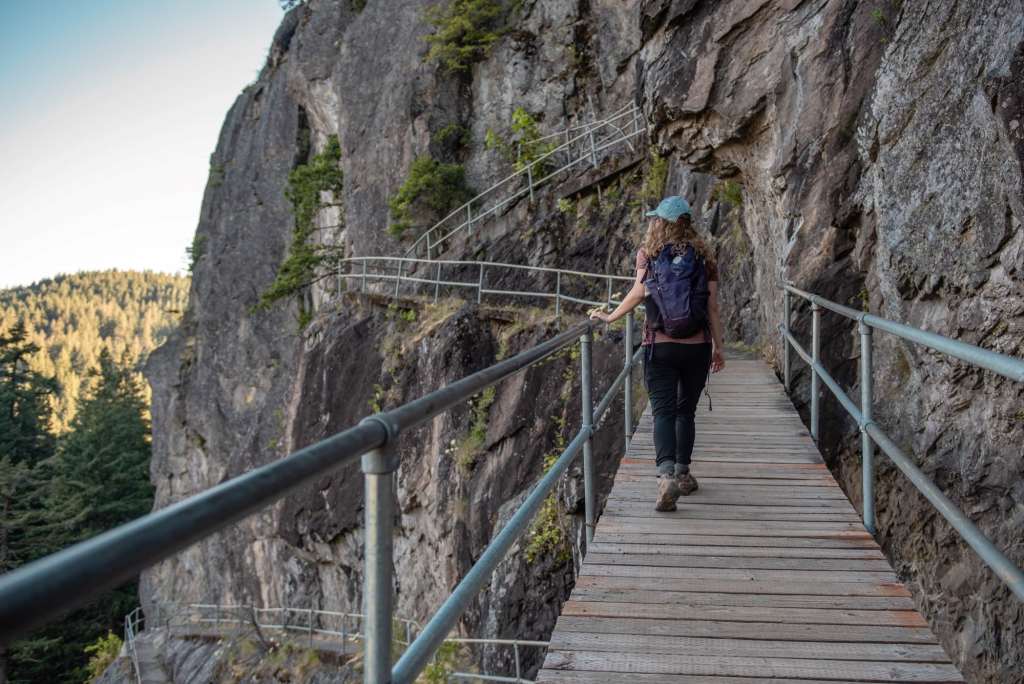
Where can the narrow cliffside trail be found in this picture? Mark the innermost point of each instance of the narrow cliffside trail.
(764, 574)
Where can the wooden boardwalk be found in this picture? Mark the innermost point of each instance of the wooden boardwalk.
(765, 574)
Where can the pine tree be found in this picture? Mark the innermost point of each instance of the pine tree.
(97, 479)
(25, 415)
(107, 450)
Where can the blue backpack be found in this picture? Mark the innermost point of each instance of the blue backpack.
(678, 283)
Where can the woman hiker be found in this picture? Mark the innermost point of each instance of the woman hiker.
(677, 279)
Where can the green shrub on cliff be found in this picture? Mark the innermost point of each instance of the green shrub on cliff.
(653, 188)
(102, 653)
(440, 187)
(309, 187)
(464, 32)
(524, 146)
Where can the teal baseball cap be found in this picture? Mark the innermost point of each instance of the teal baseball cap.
(671, 208)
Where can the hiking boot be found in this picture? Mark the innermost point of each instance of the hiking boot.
(668, 492)
(687, 483)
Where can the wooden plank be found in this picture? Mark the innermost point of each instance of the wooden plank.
(585, 677)
(637, 509)
(687, 561)
(815, 650)
(725, 586)
(752, 575)
(615, 523)
(868, 671)
(712, 493)
(718, 629)
(816, 616)
(863, 541)
(758, 551)
(697, 598)
(651, 476)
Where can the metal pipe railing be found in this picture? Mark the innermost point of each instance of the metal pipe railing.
(193, 620)
(872, 435)
(41, 590)
(416, 657)
(358, 270)
(619, 134)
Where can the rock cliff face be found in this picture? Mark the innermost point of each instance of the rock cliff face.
(236, 389)
(878, 146)
(870, 152)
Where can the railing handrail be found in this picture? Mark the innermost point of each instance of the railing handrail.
(131, 622)
(41, 590)
(193, 615)
(435, 280)
(589, 129)
(45, 588)
(1003, 364)
(486, 264)
(871, 433)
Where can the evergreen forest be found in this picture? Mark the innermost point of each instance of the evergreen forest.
(75, 441)
(71, 318)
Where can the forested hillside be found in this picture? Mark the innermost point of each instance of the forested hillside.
(71, 318)
(75, 441)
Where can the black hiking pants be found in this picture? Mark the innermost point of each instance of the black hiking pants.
(675, 375)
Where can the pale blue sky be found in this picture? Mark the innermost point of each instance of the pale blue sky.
(110, 110)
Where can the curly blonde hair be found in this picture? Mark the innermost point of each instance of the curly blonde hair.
(680, 232)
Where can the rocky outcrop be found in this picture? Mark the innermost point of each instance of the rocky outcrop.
(870, 152)
(236, 388)
(878, 147)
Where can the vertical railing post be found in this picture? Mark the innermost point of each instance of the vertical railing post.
(609, 298)
(587, 403)
(379, 466)
(480, 285)
(627, 387)
(515, 652)
(529, 180)
(786, 351)
(437, 283)
(364, 276)
(398, 281)
(593, 148)
(816, 358)
(558, 294)
(469, 218)
(867, 448)
(310, 626)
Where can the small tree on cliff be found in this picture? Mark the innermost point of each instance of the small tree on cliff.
(312, 186)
